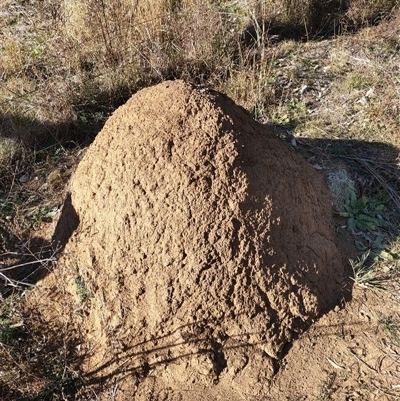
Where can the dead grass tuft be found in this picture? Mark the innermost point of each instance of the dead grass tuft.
(365, 275)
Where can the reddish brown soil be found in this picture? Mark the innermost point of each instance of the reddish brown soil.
(206, 245)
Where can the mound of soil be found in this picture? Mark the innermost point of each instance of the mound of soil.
(203, 249)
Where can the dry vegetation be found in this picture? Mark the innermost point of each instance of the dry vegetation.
(326, 74)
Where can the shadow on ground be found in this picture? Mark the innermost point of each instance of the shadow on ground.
(319, 20)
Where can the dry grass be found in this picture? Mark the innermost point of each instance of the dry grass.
(319, 69)
(72, 63)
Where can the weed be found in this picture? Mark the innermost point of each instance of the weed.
(362, 213)
(376, 246)
(81, 289)
(290, 113)
(41, 215)
(308, 63)
(358, 81)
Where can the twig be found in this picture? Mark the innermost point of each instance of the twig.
(114, 390)
(14, 283)
(334, 364)
(385, 392)
(33, 262)
(363, 362)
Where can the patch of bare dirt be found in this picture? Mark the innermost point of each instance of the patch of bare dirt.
(201, 248)
(349, 354)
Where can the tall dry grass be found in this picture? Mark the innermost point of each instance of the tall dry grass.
(68, 64)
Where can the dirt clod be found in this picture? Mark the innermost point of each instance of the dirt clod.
(204, 243)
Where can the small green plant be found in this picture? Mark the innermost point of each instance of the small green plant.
(364, 273)
(41, 215)
(376, 246)
(81, 289)
(358, 82)
(362, 213)
(289, 113)
(308, 63)
(297, 108)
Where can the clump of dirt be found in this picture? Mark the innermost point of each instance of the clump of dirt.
(203, 249)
